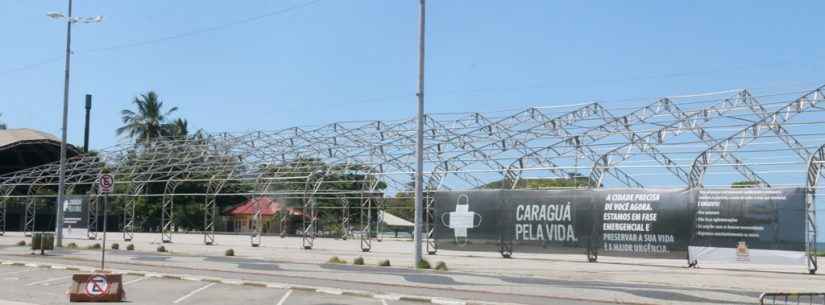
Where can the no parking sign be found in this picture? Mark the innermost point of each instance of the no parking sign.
(97, 285)
(106, 183)
(102, 287)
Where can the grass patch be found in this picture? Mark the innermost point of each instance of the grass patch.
(115, 246)
(358, 261)
(336, 260)
(96, 246)
(423, 264)
(161, 249)
(441, 266)
(21, 243)
(384, 263)
(820, 253)
(229, 252)
(130, 247)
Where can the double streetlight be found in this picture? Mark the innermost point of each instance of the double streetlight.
(62, 184)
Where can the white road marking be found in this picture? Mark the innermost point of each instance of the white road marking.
(17, 272)
(181, 299)
(283, 299)
(135, 280)
(331, 291)
(383, 302)
(7, 302)
(49, 280)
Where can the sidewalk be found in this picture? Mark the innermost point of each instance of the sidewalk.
(626, 280)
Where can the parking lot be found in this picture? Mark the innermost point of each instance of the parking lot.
(21, 285)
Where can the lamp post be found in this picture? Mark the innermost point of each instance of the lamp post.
(419, 142)
(62, 184)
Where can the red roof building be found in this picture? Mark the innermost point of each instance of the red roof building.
(242, 214)
(268, 206)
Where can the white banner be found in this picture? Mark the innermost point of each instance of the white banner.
(742, 254)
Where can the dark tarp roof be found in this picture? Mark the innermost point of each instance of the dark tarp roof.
(24, 148)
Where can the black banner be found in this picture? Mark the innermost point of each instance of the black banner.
(750, 225)
(624, 222)
(644, 222)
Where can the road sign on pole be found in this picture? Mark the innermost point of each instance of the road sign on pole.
(106, 183)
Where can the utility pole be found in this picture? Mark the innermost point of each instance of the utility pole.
(61, 188)
(419, 143)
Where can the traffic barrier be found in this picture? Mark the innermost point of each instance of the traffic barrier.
(42, 242)
(792, 298)
(97, 288)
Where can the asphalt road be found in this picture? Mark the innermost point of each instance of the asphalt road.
(166, 291)
(26, 285)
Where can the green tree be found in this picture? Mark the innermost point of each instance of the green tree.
(574, 181)
(180, 129)
(149, 122)
(744, 184)
(2, 125)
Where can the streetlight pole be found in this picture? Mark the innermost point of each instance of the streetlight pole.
(61, 188)
(419, 143)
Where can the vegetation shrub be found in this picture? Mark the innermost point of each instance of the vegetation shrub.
(96, 246)
(229, 252)
(130, 247)
(71, 245)
(115, 246)
(384, 263)
(441, 266)
(161, 249)
(336, 260)
(358, 261)
(21, 243)
(423, 264)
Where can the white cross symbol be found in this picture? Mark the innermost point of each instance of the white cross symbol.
(461, 220)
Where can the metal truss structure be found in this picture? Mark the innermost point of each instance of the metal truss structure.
(351, 169)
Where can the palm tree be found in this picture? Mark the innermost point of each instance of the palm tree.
(149, 122)
(179, 129)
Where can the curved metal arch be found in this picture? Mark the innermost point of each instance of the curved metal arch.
(685, 122)
(213, 188)
(815, 166)
(509, 142)
(579, 142)
(743, 137)
(31, 205)
(5, 191)
(310, 218)
(174, 180)
(369, 185)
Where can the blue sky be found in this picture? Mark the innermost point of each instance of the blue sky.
(351, 60)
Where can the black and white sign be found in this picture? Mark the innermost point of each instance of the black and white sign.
(644, 222)
(753, 225)
(750, 226)
(75, 223)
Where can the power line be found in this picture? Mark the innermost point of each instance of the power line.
(146, 42)
(200, 31)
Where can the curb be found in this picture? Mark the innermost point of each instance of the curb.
(275, 285)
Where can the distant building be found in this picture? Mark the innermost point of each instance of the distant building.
(21, 149)
(395, 223)
(25, 148)
(241, 216)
